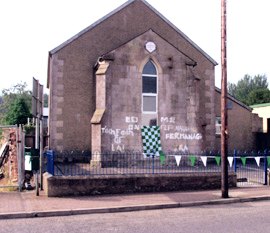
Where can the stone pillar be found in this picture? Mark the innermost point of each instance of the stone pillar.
(99, 112)
(96, 145)
(193, 103)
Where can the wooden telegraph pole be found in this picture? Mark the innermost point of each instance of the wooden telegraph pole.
(224, 121)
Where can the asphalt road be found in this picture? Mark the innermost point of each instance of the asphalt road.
(233, 218)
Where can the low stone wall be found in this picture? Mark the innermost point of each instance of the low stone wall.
(58, 186)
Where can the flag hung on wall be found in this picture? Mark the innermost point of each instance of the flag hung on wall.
(151, 141)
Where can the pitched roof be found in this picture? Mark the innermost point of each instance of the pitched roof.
(235, 100)
(119, 9)
(260, 105)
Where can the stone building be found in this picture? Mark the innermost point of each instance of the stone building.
(244, 127)
(130, 69)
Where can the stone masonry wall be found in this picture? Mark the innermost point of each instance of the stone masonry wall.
(72, 80)
(82, 185)
(56, 103)
(178, 98)
(242, 126)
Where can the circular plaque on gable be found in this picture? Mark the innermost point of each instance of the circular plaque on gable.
(150, 46)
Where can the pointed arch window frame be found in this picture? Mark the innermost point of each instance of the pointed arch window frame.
(152, 92)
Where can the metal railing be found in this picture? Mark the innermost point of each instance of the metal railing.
(132, 163)
(250, 167)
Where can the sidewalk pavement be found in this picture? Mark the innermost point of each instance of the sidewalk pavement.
(26, 204)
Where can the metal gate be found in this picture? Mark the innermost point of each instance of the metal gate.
(11, 158)
(251, 168)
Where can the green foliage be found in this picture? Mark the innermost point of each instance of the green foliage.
(18, 112)
(251, 90)
(29, 128)
(13, 99)
(259, 96)
(17, 91)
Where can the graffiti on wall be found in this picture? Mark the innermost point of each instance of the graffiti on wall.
(168, 126)
(118, 134)
(131, 124)
(182, 148)
(178, 132)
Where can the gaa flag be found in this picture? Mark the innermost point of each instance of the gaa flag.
(151, 141)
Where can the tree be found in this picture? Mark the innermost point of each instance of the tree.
(250, 90)
(259, 96)
(18, 112)
(16, 95)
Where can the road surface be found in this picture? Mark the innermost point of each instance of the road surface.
(233, 218)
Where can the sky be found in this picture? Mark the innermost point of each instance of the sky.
(31, 28)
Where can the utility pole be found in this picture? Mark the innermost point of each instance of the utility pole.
(224, 120)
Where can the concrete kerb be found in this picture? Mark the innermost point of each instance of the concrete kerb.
(119, 209)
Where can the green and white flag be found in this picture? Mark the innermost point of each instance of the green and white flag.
(204, 160)
(192, 159)
(258, 160)
(151, 141)
(244, 160)
(230, 159)
(178, 159)
(218, 159)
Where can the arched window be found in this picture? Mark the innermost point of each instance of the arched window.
(149, 88)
